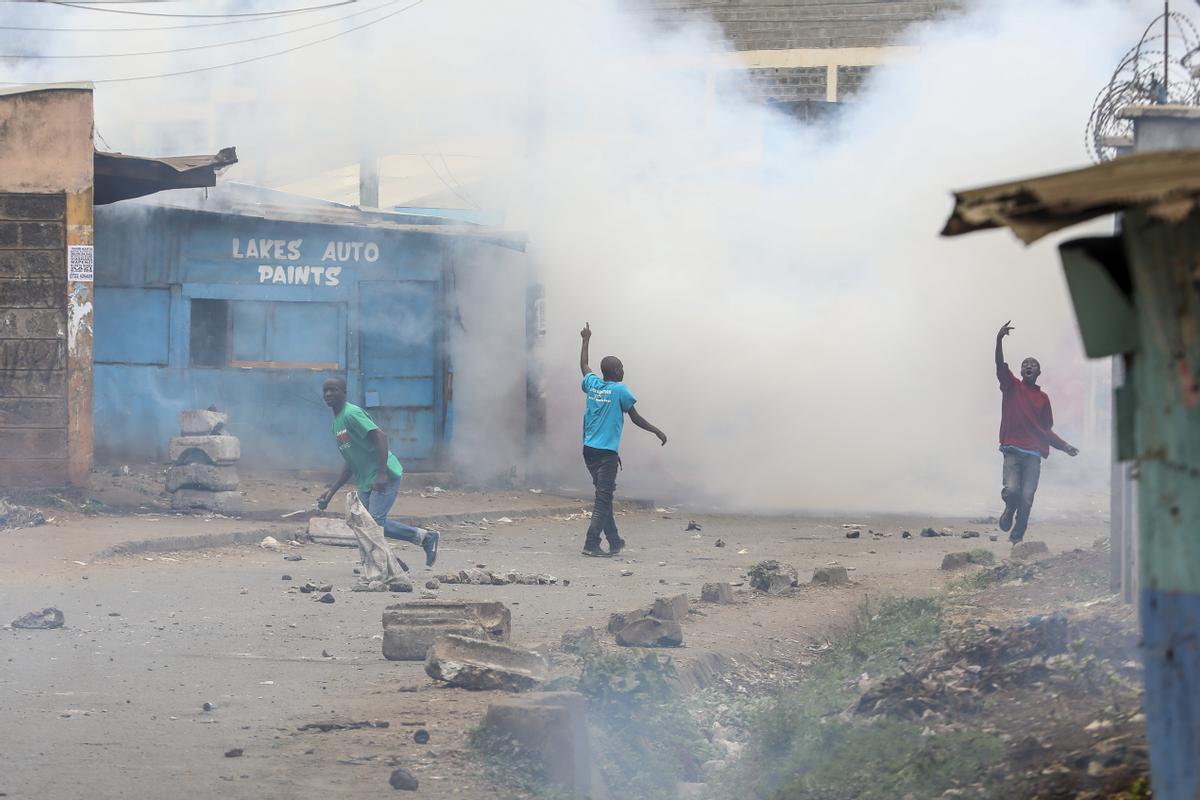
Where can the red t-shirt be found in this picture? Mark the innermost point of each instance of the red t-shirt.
(1025, 416)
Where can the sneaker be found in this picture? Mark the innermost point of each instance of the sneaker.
(613, 549)
(595, 551)
(431, 547)
(1006, 519)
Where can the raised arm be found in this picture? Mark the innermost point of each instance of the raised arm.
(1005, 329)
(640, 421)
(586, 335)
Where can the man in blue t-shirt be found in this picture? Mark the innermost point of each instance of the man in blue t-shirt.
(608, 401)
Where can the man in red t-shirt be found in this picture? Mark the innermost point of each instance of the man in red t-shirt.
(1025, 437)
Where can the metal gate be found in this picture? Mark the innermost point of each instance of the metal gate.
(400, 336)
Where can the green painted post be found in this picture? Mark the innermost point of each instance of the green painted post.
(1159, 427)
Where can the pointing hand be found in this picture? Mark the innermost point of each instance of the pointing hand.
(586, 333)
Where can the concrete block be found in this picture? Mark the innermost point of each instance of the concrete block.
(409, 636)
(717, 593)
(201, 422)
(194, 499)
(619, 620)
(831, 576)
(202, 476)
(325, 528)
(493, 615)
(550, 727)
(651, 632)
(477, 664)
(1029, 551)
(204, 450)
(670, 608)
(773, 577)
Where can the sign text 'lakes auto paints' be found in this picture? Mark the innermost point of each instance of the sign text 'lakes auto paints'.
(270, 252)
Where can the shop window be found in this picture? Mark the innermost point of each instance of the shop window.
(209, 343)
(252, 334)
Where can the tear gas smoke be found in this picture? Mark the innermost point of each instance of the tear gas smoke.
(778, 293)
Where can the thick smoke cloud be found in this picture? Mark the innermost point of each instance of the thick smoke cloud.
(783, 305)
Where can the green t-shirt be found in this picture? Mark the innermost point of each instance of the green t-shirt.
(350, 429)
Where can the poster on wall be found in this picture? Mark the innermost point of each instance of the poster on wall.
(80, 261)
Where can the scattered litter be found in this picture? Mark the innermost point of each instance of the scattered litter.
(343, 725)
(285, 577)
(434, 489)
(625, 573)
(234, 753)
(270, 543)
(535, 491)
(504, 519)
(852, 525)
(266, 683)
(80, 563)
(970, 534)
(662, 563)
(46, 619)
(294, 557)
(326, 654)
(719, 543)
(906, 535)
(692, 526)
(13, 516)
(743, 552)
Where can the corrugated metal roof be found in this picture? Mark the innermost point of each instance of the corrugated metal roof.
(121, 177)
(1168, 182)
(27, 88)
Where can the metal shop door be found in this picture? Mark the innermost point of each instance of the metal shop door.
(399, 341)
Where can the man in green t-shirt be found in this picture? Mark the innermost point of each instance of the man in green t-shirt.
(375, 469)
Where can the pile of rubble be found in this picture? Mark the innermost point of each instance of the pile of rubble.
(481, 576)
(13, 516)
(203, 473)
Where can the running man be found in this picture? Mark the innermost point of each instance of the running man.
(374, 468)
(608, 400)
(1026, 437)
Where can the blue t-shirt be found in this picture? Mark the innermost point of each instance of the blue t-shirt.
(604, 415)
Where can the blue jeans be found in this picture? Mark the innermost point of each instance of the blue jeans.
(379, 502)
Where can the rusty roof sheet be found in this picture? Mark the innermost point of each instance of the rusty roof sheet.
(1167, 182)
(120, 176)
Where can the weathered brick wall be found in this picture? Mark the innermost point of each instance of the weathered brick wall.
(33, 357)
(796, 24)
(789, 83)
(850, 80)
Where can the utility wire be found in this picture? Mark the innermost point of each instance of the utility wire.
(242, 21)
(280, 12)
(262, 57)
(206, 46)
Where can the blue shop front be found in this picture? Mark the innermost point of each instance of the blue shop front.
(249, 309)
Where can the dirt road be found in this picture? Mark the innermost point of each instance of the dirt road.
(112, 704)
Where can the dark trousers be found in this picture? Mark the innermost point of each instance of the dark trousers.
(603, 465)
(1021, 475)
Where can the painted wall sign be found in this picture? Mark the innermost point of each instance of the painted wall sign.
(328, 272)
(80, 263)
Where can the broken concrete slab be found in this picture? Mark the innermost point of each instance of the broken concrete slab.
(202, 476)
(773, 577)
(204, 450)
(478, 664)
(618, 620)
(493, 615)
(202, 499)
(670, 608)
(331, 531)
(717, 593)
(651, 632)
(1029, 551)
(44, 620)
(550, 727)
(834, 575)
(202, 422)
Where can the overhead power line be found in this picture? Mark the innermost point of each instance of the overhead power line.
(262, 57)
(203, 46)
(200, 16)
(241, 21)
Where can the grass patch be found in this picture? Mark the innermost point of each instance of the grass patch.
(982, 556)
(802, 748)
(507, 764)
